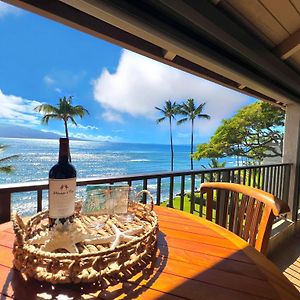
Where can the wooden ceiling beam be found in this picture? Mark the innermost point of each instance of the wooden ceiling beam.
(169, 55)
(289, 46)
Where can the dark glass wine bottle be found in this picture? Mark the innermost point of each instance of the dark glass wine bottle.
(62, 186)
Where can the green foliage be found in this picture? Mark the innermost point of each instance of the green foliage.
(255, 132)
(215, 164)
(168, 111)
(6, 169)
(191, 112)
(63, 111)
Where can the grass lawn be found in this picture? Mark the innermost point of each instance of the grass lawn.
(186, 205)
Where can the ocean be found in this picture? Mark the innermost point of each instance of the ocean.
(91, 159)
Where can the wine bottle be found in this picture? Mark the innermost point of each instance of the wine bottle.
(62, 186)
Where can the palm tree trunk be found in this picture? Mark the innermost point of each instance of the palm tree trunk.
(66, 129)
(171, 143)
(192, 145)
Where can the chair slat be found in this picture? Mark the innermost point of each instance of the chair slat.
(264, 230)
(249, 216)
(254, 223)
(241, 216)
(233, 210)
(209, 205)
(224, 206)
(218, 206)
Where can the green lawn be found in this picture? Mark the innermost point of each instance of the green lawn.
(187, 205)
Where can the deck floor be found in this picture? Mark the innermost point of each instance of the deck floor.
(287, 259)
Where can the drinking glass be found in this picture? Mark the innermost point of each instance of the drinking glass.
(128, 197)
(100, 202)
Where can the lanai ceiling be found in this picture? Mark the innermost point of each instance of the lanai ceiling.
(248, 45)
(275, 22)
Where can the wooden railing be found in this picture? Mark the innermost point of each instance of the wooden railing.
(271, 178)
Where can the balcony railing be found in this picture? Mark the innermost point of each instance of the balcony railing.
(271, 178)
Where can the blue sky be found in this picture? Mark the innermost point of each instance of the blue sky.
(42, 60)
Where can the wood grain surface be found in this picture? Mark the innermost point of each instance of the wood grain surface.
(196, 259)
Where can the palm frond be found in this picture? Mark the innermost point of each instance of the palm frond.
(63, 111)
(47, 108)
(46, 118)
(200, 107)
(191, 104)
(79, 110)
(160, 120)
(160, 109)
(169, 110)
(72, 120)
(183, 109)
(179, 122)
(204, 116)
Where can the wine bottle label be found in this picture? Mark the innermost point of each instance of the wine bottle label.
(61, 197)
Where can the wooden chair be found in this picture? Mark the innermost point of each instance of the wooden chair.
(246, 211)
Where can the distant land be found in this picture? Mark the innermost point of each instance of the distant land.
(14, 131)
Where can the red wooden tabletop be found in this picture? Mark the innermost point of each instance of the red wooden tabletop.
(196, 259)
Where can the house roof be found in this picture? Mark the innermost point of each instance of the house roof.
(250, 46)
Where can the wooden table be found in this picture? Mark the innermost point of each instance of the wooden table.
(196, 259)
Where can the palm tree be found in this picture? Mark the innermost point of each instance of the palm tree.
(64, 111)
(169, 111)
(191, 112)
(215, 164)
(6, 169)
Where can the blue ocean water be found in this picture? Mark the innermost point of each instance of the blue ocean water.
(91, 159)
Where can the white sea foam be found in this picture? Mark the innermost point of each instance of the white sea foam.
(139, 160)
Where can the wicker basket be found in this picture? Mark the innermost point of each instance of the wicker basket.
(92, 263)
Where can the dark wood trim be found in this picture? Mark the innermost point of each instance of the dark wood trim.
(5, 207)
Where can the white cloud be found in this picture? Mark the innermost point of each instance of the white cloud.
(112, 116)
(83, 136)
(18, 111)
(48, 80)
(101, 138)
(139, 84)
(88, 127)
(58, 90)
(6, 9)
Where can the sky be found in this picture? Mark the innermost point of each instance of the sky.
(42, 61)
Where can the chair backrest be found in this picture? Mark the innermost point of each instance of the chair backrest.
(246, 211)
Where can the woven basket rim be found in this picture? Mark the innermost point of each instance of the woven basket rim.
(33, 250)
